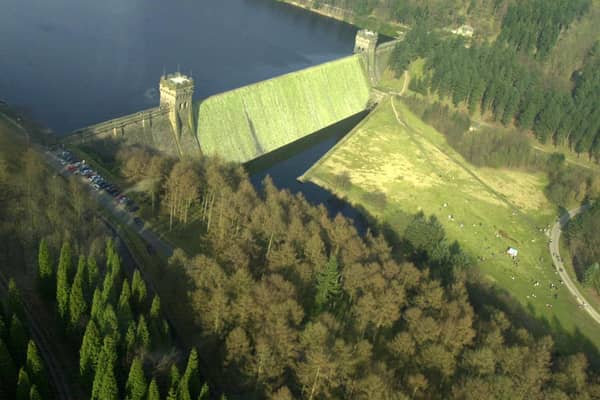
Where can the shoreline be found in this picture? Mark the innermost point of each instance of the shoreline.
(339, 14)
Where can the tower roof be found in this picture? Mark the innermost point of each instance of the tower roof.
(176, 81)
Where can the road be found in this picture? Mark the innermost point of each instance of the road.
(557, 260)
(118, 211)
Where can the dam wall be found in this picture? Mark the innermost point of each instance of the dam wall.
(245, 123)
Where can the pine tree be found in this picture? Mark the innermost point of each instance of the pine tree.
(35, 369)
(15, 304)
(17, 341)
(110, 322)
(142, 333)
(156, 323)
(45, 270)
(90, 351)
(97, 306)
(192, 374)
(183, 391)
(23, 386)
(204, 392)
(155, 308)
(130, 339)
(136, 381)
(108, 289)
(174, 377)
(153, 392)
(172, 395)
(110, 390)
(34, 393)
(62, 281)
(93, 274)
(77, 303)
(328, 285)
(138, 289)
(124, 309)
(104, 366)
(8, 370)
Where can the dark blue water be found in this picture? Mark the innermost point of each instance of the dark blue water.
(72, 63)
(286, 164)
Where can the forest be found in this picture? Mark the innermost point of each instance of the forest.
(584, 245)
(291, 303)
(489, 80)
(107, 323)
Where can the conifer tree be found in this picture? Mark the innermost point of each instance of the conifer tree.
(153, 392)
(15, 304)
(89, 352)
(155, 307)
(142, 334)
(183, 391)
(136, 381)
(328, 285)
(34, 393)
(108, 289)
(172, 395)
(93, 276)
(204, 392)
(62, 281)
(77, 303)
(17, 341)
(45, 270)
(110, 390)
(138, 289)
(110, 322)
(102, 387)
(97, 306)
(130, 338)
(124, 309)
(23, 385)
(192, 374)
(8, 370)
(35, 369)
(174, 377)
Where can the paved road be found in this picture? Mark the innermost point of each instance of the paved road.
(557, 260)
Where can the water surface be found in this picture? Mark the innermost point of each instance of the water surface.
(72, 63)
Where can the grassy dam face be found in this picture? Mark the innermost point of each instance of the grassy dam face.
(245, 123)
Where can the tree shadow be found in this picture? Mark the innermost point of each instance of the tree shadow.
(483, 294)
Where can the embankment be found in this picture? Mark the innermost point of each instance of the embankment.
(245, 123)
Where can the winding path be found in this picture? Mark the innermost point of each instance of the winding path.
(557, 260)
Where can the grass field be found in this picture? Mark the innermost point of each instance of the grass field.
(413, 169)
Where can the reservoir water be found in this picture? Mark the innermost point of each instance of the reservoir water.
(72, 63)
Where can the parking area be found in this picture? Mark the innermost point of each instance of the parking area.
(73, 166)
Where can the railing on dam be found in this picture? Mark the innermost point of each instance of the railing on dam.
(120, 123)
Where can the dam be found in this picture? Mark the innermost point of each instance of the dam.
(245, 123)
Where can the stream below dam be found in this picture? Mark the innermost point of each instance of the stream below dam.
(67, 64)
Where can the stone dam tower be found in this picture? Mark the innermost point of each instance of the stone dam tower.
(176, 92)
(365, 41)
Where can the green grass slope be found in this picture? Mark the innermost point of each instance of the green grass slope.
(245, 123)
(395, 165)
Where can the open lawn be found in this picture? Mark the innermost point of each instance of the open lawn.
(395, 165)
